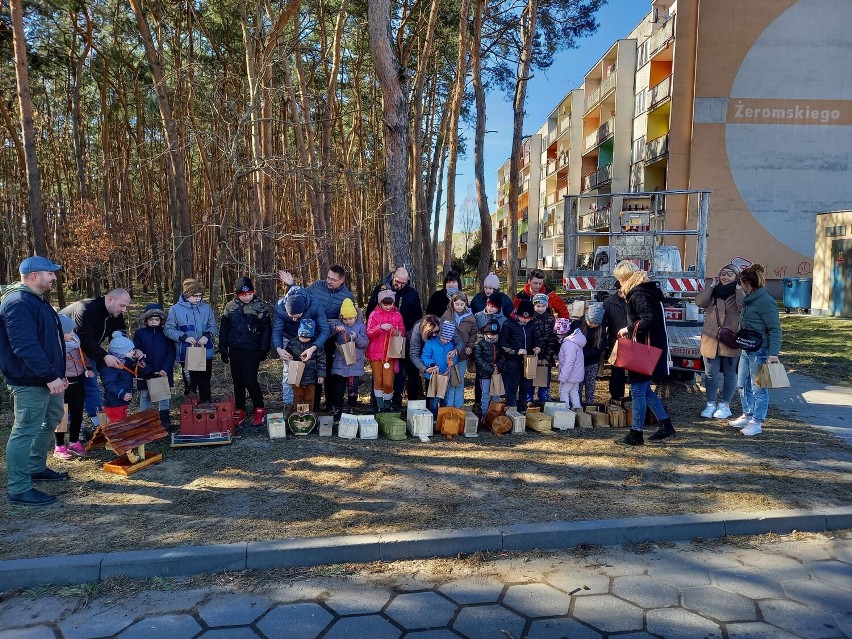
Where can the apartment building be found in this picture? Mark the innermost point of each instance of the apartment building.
(750, 99)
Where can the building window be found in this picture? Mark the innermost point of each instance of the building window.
(641, 99)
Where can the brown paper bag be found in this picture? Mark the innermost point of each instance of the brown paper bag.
(62, 427)
(613, 355)
(497, 387)
(530, 366)
(455, 378)
(438, 386)
(295, 368)
(196, 358)
(158, 389)
(396, 345)
(772, 375)
(102, 418)
(347, 351)
(540, 380)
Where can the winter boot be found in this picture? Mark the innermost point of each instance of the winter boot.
(259, 417)
(239, 416)
(337, 411)
(166, 420)
(288, 410)
(634, 438)
(665, 431)
(353, 401)
(380, 404)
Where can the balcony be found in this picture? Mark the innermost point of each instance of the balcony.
(525, 185)
(551, 167)
(523, 238)
(550, 200)
(562, 161)
(657, 148)
(564, 125)
(660, 92)
(661, 36)
(602, 133)
(562, 192)
(596, 178)
(594, 219)
(601, 92)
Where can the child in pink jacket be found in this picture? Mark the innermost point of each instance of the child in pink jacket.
(571, 367)
(384, 319)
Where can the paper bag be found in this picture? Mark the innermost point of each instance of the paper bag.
(102, 418)
(396, 345)
(347, 352)
(455, 378)
(530, 366)
(772, 375)
(295, 368)
(158, 389)
(613, 355)
(62, 427)
(497, 387)
(196, 358)
(438, 386)
(540, 380)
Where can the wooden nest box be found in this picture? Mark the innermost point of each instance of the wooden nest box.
(127, 438)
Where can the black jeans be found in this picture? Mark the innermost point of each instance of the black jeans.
(330, 347)
(338, 388)
(617, 382)
(198, 382)
(244, 365)
(516, 383)
(75, 396)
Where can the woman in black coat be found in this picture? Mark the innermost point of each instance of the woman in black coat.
(439, 301)
(647, 320)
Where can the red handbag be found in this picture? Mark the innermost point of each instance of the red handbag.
(637, 357)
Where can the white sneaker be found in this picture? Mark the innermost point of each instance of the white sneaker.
(723, 411)
(740, 421)
(754, 428)
(709, 409)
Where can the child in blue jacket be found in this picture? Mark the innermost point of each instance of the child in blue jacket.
(118, 382)
(160, 354)
(436, 357)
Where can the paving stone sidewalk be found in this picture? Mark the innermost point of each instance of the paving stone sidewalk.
(761, 588)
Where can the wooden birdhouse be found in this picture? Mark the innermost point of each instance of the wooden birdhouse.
(127, 438)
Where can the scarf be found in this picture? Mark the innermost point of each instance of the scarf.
(724, 291)
(459, 318)
(639, 277)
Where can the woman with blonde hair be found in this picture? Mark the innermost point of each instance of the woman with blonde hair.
(760, 313)
(647, 322)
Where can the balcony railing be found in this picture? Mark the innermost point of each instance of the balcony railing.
(603, 132)
(600, 93)
(594, 219)
(564, 125)
(660, 92)
(562, 161)
(595, 179)
(562, 192)
(551, 167)
(657, 148)
(661, 36)
(550, 199)
(523, 238)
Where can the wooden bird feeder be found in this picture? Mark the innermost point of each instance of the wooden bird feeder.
(127, 438)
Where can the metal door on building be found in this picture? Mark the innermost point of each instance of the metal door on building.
(841, 279)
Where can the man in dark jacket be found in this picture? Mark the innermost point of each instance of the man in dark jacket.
(32, 360)
(516, 341)
(408, 302)
(615, 318)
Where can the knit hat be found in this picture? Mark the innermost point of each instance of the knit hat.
(307, 328)
(386, 294)
(525, 309)
(68, 324)
(562, 326)
(347, 309)
(295, 305)
(192, 286)
(152, 310)
(243, 285)
(491, 281)
(491, 327)
(120, 344)
(733, 267)
(595, 313)
(448, 330)
(540, 298)
(494, 299)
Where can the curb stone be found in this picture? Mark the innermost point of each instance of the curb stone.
(184, 561)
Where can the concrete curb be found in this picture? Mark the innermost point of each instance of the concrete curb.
(184, 561)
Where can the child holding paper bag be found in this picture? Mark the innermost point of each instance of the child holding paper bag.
(312, 370)
(381, 325)
(438, 355)
(350, 333)
(485, 355)
(191, 322)
(118, 382)
(160, 356)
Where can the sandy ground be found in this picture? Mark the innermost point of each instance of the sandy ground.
(258, 489)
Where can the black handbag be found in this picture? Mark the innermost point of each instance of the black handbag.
(747, 339)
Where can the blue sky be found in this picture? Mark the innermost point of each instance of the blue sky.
(617, 18)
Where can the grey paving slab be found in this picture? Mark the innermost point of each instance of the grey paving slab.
(57, 570)
(439, 543)
(489, 620)
(35, 632)
(537, 600)
(18, 612)
(719, 604)
(615, 563)
(175, 562)
(819, 594)
(294, 592)
(637, 635)
(432, 634)
(312, 551)
(95, 621)
(756, 630)
(834, 572)
(773, 565)
(352, 597)
(677, 622)
(419, 610)
(474, 589)
(844, 623)
(804, 551)
(645, 591)
(678, 573)
(559, 629)
(229, 633)
(798, 619)
(171, 626)
(840, 550)
(608, 613)
(161, 602)
(747, 583)
(579, 581)
(301, 620)
(372, 626)
(824, 406)
(233, 610)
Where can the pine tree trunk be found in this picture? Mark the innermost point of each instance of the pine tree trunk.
(479, 143)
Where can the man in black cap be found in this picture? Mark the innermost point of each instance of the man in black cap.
(32, 360)
(516, 341)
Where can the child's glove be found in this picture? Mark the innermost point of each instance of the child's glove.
(225, 358)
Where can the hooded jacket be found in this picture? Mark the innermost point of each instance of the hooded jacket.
(556, 303)
(571, 367)
(591, 352)
(435, 354)
(191, 320)
(760, 312)
(482, 318)
(356, 333)
(315, 367)
(117, 382)
(466, 330)
(646, 315)
(477, 304)
(94, 325)
(32, 347)
(515, 336)
(329, 301)
(416, 342)
(285, 329)
(485, 354)
(245, 326)
(160, 352)
(545, 337)
(379, 337)
(615, 318)
(406, 300)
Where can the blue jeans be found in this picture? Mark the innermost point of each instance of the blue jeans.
(755, 400)
(434, 403)
(727, 366)
(487, 397)
(93, 401)
(455, 394)
(643, 398)
(543, 391)
(145, 402)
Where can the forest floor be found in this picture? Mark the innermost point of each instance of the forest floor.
(261, 489)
